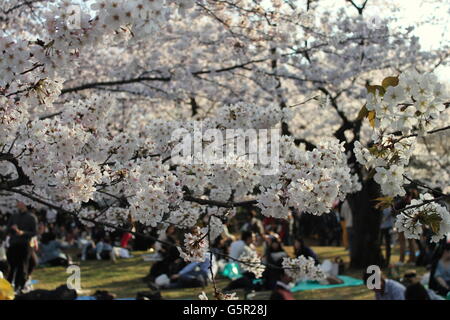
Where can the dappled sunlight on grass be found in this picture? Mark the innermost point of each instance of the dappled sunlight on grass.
(124, 278)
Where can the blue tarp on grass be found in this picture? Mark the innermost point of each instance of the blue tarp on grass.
(93, 298)
(313, 285)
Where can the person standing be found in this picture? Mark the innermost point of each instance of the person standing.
(402, 241)
(346, 214)
(21, 227)
(387, 223)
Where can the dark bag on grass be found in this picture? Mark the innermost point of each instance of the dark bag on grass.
(148, 295)
(104, 295)
(60, 293)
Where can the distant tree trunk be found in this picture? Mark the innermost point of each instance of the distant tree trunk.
(366, 226)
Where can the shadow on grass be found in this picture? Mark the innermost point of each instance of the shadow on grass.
(124, 278)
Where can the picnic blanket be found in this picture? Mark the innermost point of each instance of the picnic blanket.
(85, 298)
(313, 285)
(232, 271)
(93, 298)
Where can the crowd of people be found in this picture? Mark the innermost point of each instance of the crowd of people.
(172, 272)
(412, 287)
(30, 238)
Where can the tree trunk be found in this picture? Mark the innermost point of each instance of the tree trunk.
(366, 226)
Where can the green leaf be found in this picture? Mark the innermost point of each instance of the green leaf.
(362, 113)
(433, 220)
(374, 150)
(390, 82)
(373, 89)
(371, 117)
(371, 174)
(384, 202)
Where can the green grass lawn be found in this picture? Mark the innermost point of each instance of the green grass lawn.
(124, 278)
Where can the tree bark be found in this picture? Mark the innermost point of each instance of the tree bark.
(366, 227)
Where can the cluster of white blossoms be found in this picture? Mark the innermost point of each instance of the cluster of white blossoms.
(309, 181)
(14, 59)
(81, 147)
(78, 182)
(251, 262)
(195, 245)
(388, 158)
(185, 215)
(42, 94)
(155, 187)
(432, 214)
(160, 134)
(91, 157)
(62, 156)
(81, 156)
(248, 116)
(402, 104)
(215, 228)
(388, 149)
(12, 116)
(410, 101)
(71, 27)
(390, 180)
(302, 268)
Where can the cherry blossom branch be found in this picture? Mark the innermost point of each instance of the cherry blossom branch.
(21, 4)
(359, 8)
(424, 202)
(93, 85)
(422, 185)
(346, 123)
(221, 204)
(24, 180)
(428, 132)
(21, 180)
(135, 233)
(432, 131)
(309, 146)
(75, 215)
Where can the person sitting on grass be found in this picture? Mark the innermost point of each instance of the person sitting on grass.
(50, 251)
(388, 289)
(410, 280)
(300, 249)
(416, 291)
(102, 250)
(237, 248)
(194, 275)
(171, 263)
(442, 272)
(273, 257)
